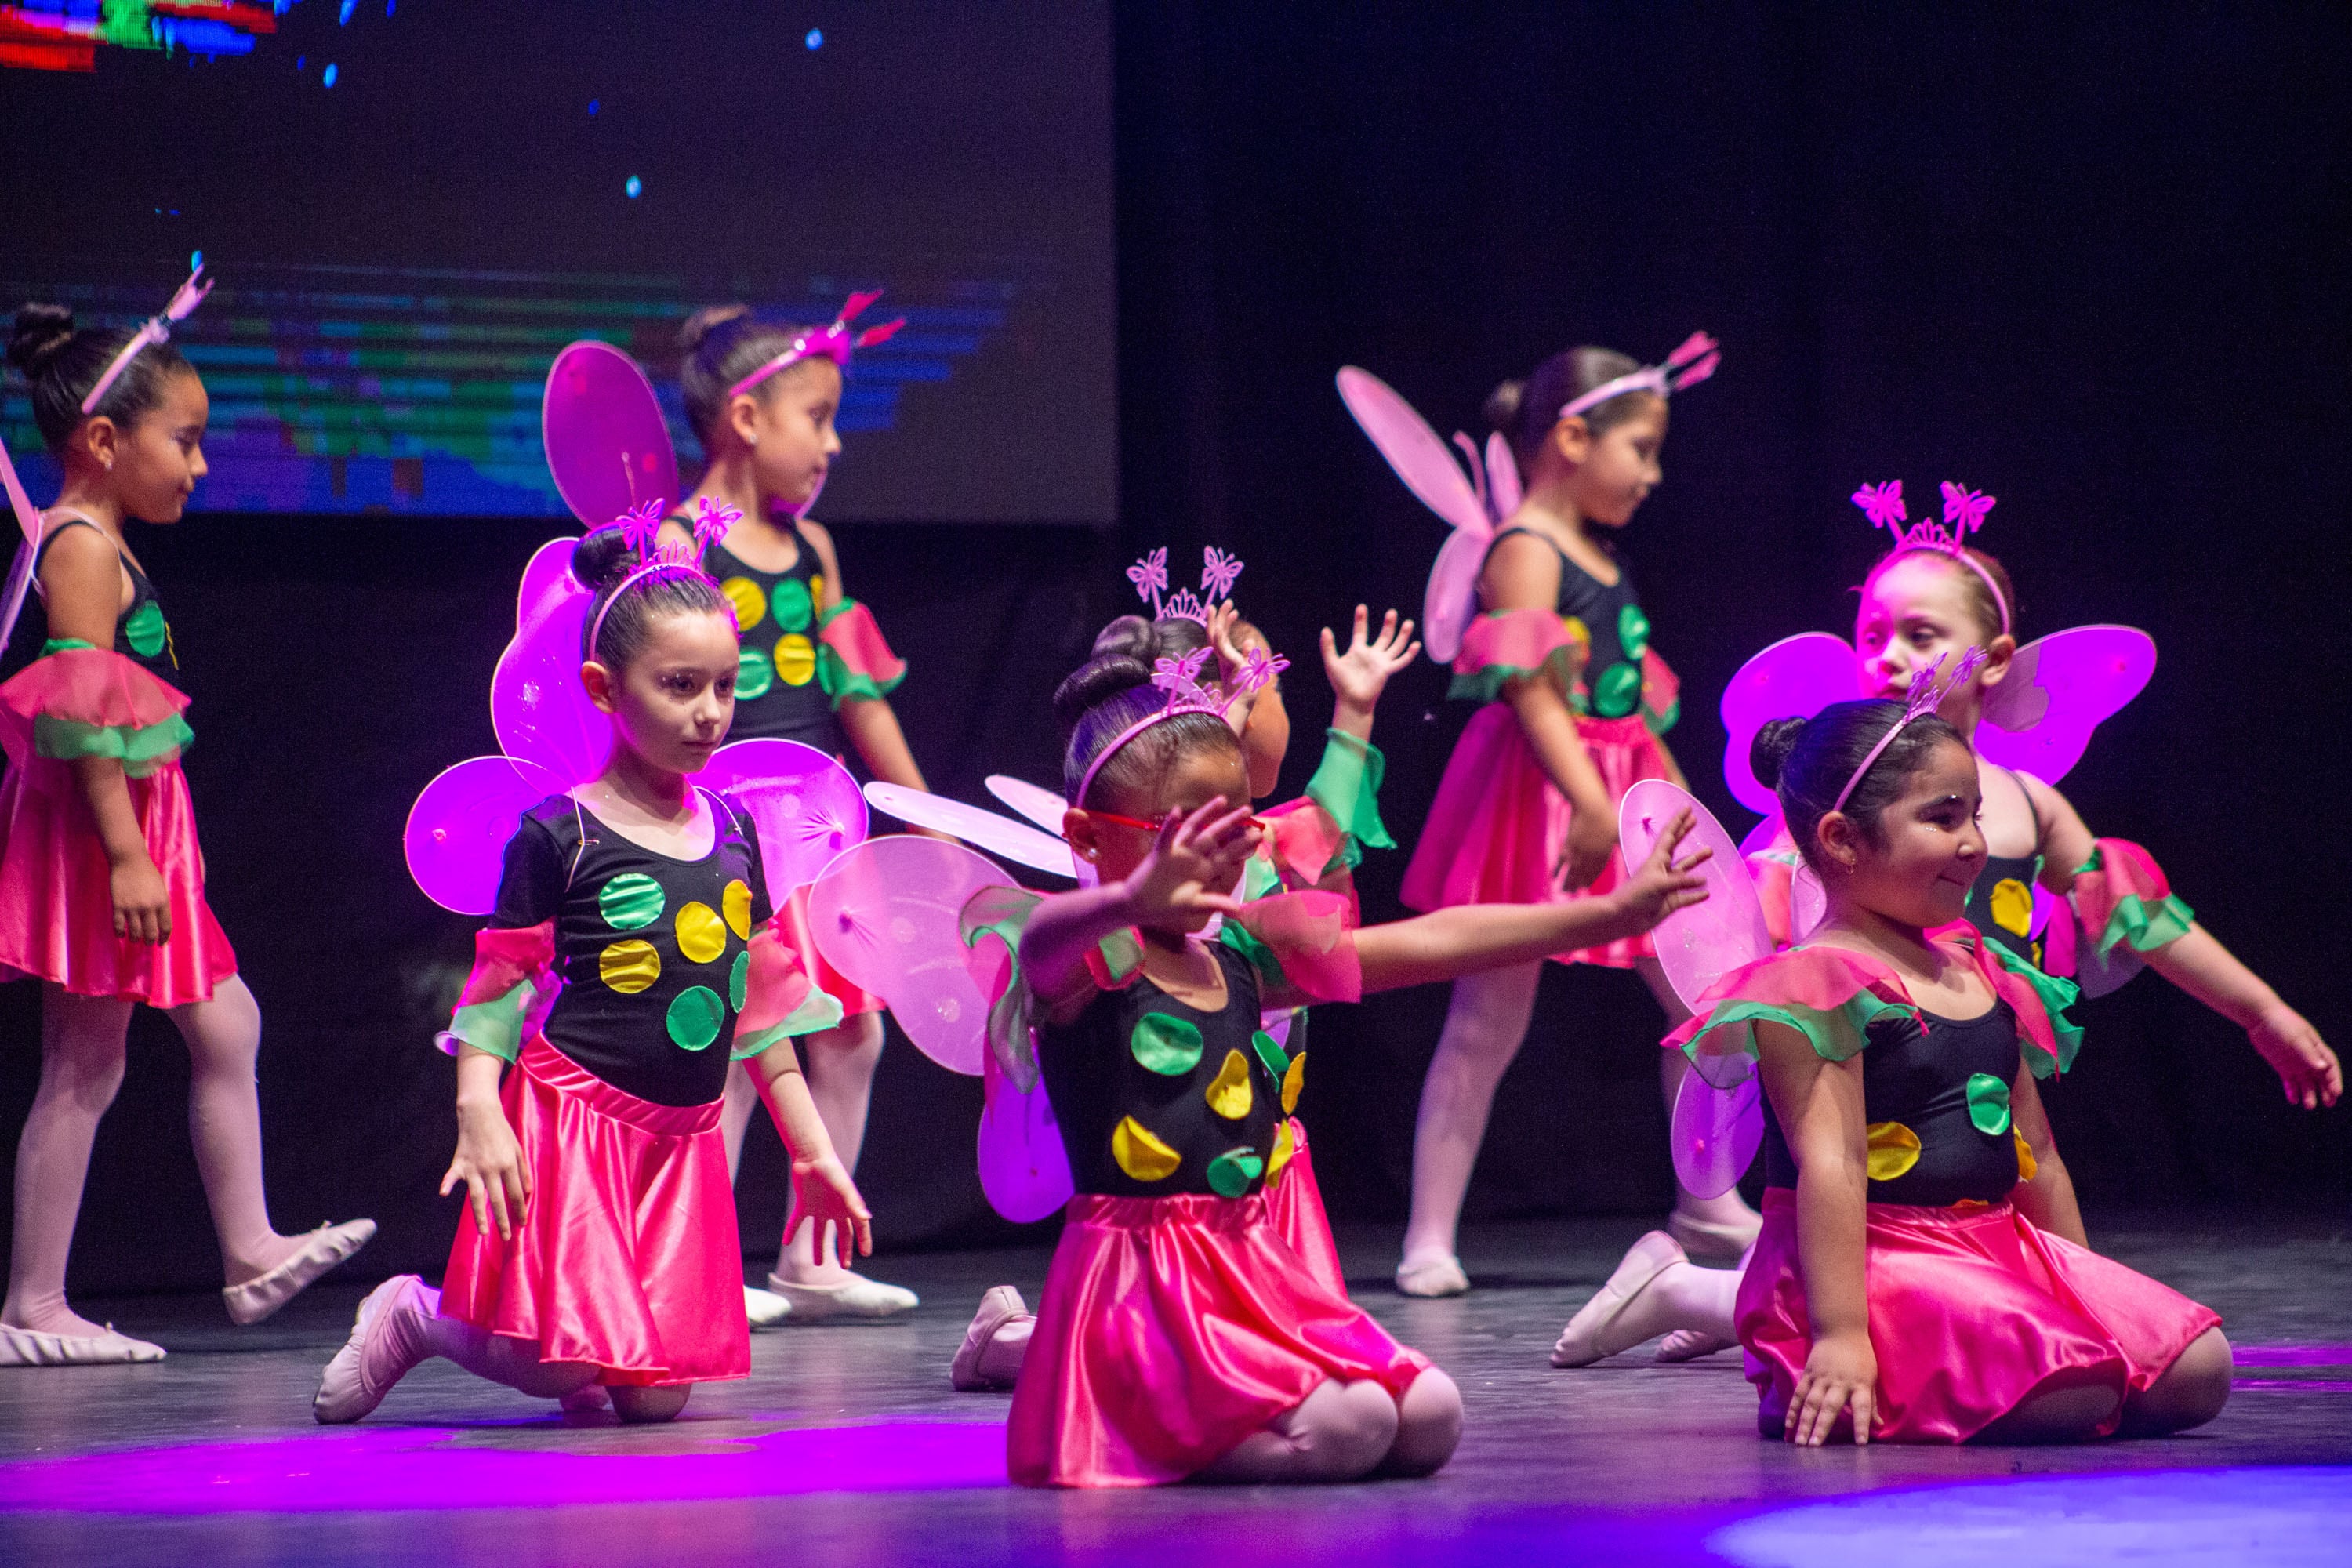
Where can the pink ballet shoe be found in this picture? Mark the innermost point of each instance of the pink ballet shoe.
(856, 1297)
(348, 1390)
(1690, 1344)
(30, 1347)
(1587, 1338)
(1431, 1276)
(995, 1343)
(1713, 1239)
(321, 1250)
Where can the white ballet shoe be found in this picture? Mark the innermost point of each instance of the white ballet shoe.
(765, 1307)
(30, 1347)
(321, 1250)
(1723, 1240)
(994, 1344)
(344, 1392)
(586, 1400)
(1587, 1338)
(1689, 1345)
(1431, 1275)
(856, 1297)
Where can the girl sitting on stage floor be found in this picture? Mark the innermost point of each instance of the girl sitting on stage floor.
(1179, 1336)
(599, 1243)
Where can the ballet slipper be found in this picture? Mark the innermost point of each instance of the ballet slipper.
(765, 1307)
(1689, 1345)
(856, 1297)
(1001, 1310)
(376, 1355)
(1431, 1275)
(321, 1250)
(1723, 1240)
(30, 1347)
(1587, 1338)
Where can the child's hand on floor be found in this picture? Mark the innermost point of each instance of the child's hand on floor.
(1841, 1374)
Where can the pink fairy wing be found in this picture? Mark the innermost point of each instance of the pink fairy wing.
(888, 914)
(2059, 689)
(1796, 677)
(1450, 602)
(1016, 841)
(1042, 806)
(1809, 903)
(1504, 491)
(1023, 1167)
(459, 828)
(608, 446)
(538, 707)
(806, 806)
(546, 579)
(20, 572)
(1427, 467)
(1699, 945)
(1717, 1132)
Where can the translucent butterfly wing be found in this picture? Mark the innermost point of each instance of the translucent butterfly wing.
(538, 707)
(1429, 470)
(608, 446)
(2059, 689)
(1796, 677)
(459, 828)
(1016, 841)
(805, 804)
(20, 572)
(1504, 491)
(1715, 1134)
(1025, 1168)
(888, 913)
(1040, 805)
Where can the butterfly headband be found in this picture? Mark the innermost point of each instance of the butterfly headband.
(1218, 574)
(641, 528)
(1686, 366)
(1923, 698)
(836, 342)
(1964, 513)
(154, 330)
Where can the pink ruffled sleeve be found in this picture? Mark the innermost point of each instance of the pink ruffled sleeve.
(1303, 946)
(779, 1000)
(507, 997)
(853, 662)
(2122, 895)
(93, 702)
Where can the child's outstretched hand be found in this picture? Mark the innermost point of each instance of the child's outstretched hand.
(1841, 1374)
(1194, 854)
(1662, 884)
(822, 1192)
(1359, 676)
(2309, 1070)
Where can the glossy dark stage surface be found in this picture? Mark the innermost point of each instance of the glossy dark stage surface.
(846, 1446)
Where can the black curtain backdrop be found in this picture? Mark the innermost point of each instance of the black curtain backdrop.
(2090, 262)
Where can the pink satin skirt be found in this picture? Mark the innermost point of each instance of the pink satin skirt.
(1172, 1329)
(1496, 830)
(1970, 1311)
(56, 905)
(628, 1257)
(1294, 1206)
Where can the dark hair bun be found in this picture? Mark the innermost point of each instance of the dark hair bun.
(602, 558)
(1502, 408)
(1131, 635)
(703, 322)
(1097, 682)
(40, 335)
(1768, 752)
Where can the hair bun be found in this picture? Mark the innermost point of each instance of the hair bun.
(1130, 635)
(1097, 682)
(603, 557)
(41, 332)
(1503, 404)
(703, 322)
(1768, 752)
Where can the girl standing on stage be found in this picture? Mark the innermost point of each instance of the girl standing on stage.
(1180, 1335)
(102, 882)
(815, 669)
(1576, 707)
(598, 1245)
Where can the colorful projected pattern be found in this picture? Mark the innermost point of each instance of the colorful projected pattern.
(418, 391)
(66, 35)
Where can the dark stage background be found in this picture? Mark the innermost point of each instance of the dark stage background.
(2092, 263)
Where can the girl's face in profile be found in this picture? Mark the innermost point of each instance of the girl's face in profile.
(1618, 467)
(788, 425)
(159, 456)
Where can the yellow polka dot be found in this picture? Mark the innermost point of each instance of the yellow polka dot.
(1578, 632)
(629, 966)
(700, 937)
(1230, 1095)
(2012, 906)
(751, 604)
(1285, 1146)
(2026, 1163)
(795, 660)
(816, 591)
(737, 902)
(1293, 1082)
(1142, 1155)
(1894, 1149)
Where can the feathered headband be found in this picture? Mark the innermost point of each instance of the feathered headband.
(1925, 696)
(1964, 513)
(836, 342)
(641, 526)
(1686, 366)
(154, 330)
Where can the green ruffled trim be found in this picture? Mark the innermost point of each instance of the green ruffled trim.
(817, 1011)
(1660, 723)
(842, 684)
(2143, 929)
(2056, 994)
(495, 1026)
(1834, 1036)
(1258, 878)
(64, 645)
(1234, 934)
(1346, 785)
(139, 751)
(1486, 684)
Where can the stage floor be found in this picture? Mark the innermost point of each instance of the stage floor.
(845, 1446)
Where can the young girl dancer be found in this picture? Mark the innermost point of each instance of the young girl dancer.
(1180, 1335)
(815, 669)
(102, 882)
(1576, 706)
(1922, 1274)
(598, 1244)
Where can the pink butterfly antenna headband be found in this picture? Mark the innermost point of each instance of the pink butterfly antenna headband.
(1686, 366)
(1964, 513)
(641, 526)
(836, 342)
(154, 330)
(1922, 700)
(1181, 678)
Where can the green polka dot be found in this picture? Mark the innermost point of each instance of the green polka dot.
(695, 1018)
(145, 630)
(1165, 1045)
(630, 900)
(1634, 631)
(739, 982)
(1269, 1051)
(790, 604)
(754, 675)
(1230, 1172)
(1988, 1103)
(1618, 691)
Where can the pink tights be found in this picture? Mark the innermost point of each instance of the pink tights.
(1344, 1431)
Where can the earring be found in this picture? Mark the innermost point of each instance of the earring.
(110, 464)
(753, 440)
